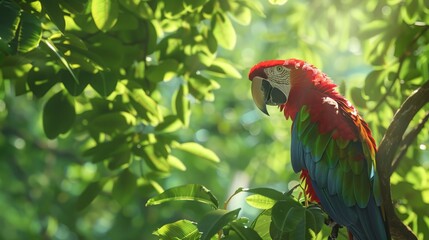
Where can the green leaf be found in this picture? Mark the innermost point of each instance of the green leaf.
(261, 224)
(356, 94)
(145, 101)
(155, 158)
(256, 6)
(287, 214)
(58, 115)
(291, 220)
(89, 194)
(52, 47)
(176, 163)
(277, 2)
(124, 187)
(242, 15)
(245, 233)
(30, 32)
(170, 124)
(112, 122)
(201, 87)
(73, 88)
(373, 28)
(107, 51)
(267, 192)
(104, 82)
(215, 220)
(224, 31)
(182, 104)
(164, 71)
(40, 79)
(74, 6)
(52, 8)
(260, 202)
(107, 149)
(199, 151)
(190, 192)
(180, 230)
(173, 9)
(9, 12)
(104, 13)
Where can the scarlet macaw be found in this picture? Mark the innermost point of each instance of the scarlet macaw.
(331, 145)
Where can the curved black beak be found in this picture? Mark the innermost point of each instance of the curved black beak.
(264, 94)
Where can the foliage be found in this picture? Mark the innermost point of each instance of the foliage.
(105, 103)
(283, 216)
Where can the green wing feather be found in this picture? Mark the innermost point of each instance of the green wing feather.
(339, 164)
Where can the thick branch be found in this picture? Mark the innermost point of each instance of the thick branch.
(407, 141)
(386, 153)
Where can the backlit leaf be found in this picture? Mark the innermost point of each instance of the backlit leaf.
(198, 150)
(190, 192)
(9, 12)
(179, 230)
(105, 13)
(224, 31)
(30, 32)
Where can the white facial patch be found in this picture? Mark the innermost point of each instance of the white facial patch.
(279, 77)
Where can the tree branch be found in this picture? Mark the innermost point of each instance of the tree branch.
(386, 153)
(407, 141)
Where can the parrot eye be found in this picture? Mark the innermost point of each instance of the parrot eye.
(279, 68)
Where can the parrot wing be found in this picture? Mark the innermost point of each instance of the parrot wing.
(340, 174)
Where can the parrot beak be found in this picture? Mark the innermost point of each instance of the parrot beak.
(261, 89)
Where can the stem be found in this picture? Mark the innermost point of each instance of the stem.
(407, 141)
(386, 153)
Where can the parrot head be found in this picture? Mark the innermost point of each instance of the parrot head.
(270, 83)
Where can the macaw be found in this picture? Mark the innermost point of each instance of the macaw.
(331, 144)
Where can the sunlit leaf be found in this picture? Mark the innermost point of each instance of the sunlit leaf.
(278, 2)
(181, 104)
(176, 163)
(198, 150)
(179, 230)
(105, 13)
(224, 31)
(170, 124)
(260, 202)
(221, 68)
(261, 224)
(190, 192)
(30, 32)
(9, 12)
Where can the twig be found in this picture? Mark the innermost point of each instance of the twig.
(407, 141)
(386, 153)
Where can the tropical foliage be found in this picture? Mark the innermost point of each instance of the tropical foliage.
(111, 107)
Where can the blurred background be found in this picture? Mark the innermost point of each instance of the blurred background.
(60, 180)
